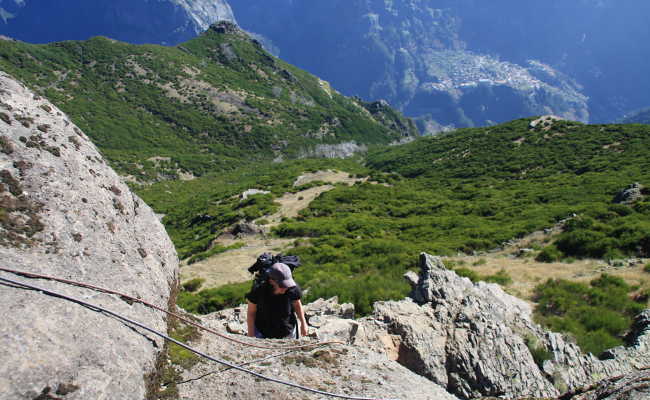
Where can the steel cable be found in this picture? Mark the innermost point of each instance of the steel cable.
(185, 320)
(96, 308)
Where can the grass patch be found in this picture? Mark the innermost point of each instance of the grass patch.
(214, 299)
(216, 249)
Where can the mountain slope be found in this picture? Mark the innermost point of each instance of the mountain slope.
(139, 21)
(468, 192)
(637, 117)
(212, 103)
(446, 58)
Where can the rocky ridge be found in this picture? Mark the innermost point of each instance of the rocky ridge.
(472, 340)
(65, 213)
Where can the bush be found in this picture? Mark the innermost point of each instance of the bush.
(597, 315)
(211, 300)
(646, 268)
(468, 273)
(501, 277)
(549, 254)
(537, 350)
(193, 285)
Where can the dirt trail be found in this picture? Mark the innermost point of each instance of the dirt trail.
(231, 266)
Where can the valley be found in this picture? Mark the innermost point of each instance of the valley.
(166, 169)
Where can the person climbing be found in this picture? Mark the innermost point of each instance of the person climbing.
(274, 306)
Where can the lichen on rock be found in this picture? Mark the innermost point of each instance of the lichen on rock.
(57, 219)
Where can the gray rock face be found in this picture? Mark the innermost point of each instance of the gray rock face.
(630, 194)
(64, 212)
(339, 150)
(633, 386)
(570, 369)
(473, 339)
(468, 338)
(339, 368)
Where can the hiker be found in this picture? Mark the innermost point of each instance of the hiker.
(274, 305)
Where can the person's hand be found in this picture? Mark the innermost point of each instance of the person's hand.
(303, 330)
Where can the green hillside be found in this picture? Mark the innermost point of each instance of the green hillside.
(214, 103)
(468, 191)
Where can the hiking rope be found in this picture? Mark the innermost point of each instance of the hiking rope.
(96, 308)
(185, 320)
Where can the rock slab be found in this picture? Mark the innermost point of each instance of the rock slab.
(64, 212)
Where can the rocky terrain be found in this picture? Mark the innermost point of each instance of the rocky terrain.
(472, 340)
(64, 212)
(164, 22)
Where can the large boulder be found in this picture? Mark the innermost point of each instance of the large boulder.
(65, 213)
(469, 338)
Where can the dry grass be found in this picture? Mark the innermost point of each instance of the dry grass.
(231, 266)
(526, 273)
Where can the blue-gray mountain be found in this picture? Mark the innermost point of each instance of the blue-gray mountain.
(467, 62)
(134, 21)
(450, 62)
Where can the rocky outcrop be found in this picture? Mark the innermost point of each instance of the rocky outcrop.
(339, 150)
(476, 340)
(632, 386)
(630, 194)
(338, 368)
(470, 339)
(64, 212)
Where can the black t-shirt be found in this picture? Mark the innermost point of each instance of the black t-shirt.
(275, 316)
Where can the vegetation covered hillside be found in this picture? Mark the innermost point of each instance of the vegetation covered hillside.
(469, 191)
(216, 102)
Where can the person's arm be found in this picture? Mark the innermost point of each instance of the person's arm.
(300, 313)
(250, 318)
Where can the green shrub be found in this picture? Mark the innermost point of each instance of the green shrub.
(646, 268)
(193, 285)
(501, 277)
(211, 300)
(537, 350)
(597, 314)
(468, 273)
(549, 254)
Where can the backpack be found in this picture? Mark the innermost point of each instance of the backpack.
(265, 260)
(292, 262)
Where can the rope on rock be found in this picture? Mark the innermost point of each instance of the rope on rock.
(185, 320)
(96, 308)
